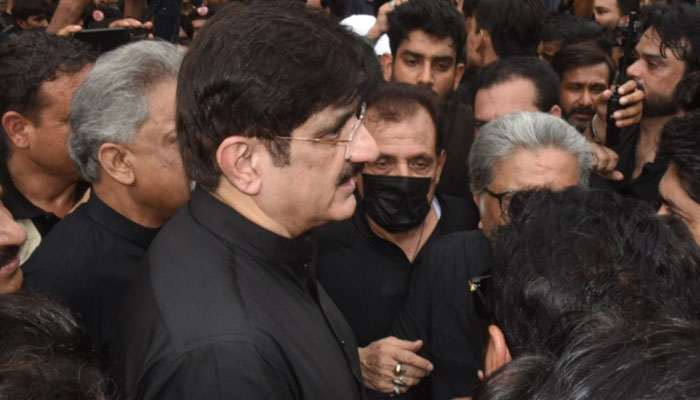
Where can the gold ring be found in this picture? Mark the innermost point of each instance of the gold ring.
(399, 370)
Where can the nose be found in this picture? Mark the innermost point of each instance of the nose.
(363, 148)
(633, 71)
(663, 210)
(11, 234)
(425, 75)
(586, 99)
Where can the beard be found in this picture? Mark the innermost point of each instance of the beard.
(656, 105)
(577, 123)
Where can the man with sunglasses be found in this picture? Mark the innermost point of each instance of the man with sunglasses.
(269, 119)
(514, 152)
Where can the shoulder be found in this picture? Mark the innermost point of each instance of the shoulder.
(461, 252)
(458, 214)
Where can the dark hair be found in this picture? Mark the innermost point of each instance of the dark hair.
(582, 54)
(678, 26)
(576, 251)
(261, 71)
(27, 61)
(569, 29)
(625, 6)
(437, 18)
(395, 102)
(44, 352)
(680, 144)
(26, 8)
(515, 26)
(468, 7)
(529, 68)
(606, 358)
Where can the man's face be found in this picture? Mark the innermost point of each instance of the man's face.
(658, 73)
(675, 201)
(48, 133)
(548, 49)
(525, 169)
(503, 98)
(473, 59)
(12, 236)
(406, 148)
(607, 12)
(422, 59)
(580, 88)
(33, 22)
(318, 184)
(161, 184)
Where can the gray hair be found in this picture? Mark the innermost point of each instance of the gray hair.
(524, 130)
(110, 105)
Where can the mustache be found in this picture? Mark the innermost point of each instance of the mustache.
(349, 171)
(7, 254)
(583, 110)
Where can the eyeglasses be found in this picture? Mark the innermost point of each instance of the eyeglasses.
(348, 141)
(503, 199)
(480, 288)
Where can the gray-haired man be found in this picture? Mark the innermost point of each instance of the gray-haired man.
(513, 152)
(123, 142)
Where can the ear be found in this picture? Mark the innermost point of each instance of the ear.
(555, 110)
(459, 72)
(238, 159)
(115, 161)
(442, 157)
(387, 61)
(497, 353)
(477, 201)
(17, 128)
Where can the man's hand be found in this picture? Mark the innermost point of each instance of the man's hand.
(605, 161)
(631, 99)
(68, 29)
(379, 359)
(381, 26)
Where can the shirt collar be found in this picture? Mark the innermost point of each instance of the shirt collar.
(234, 229)
(119, 224)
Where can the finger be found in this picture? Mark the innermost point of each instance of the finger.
(410, 345)
(410, 381)
(414, 372)
(635, 97)
(407, 357)
(612, 175)
(627, 87)
(605, 96)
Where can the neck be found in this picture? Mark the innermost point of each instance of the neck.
(653, 126)
(251, 210)
(412, 240)
(117, 197)
(51, 193)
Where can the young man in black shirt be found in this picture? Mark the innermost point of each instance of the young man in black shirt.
(40, 73)
(269, 119)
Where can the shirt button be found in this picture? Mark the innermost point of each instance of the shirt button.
(342, 342)
(306, 266)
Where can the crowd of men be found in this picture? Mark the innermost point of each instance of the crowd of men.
(274, 208)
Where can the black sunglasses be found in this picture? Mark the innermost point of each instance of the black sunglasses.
(480, 288)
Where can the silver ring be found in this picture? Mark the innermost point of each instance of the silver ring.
(399, 381)
(397, 390)
(399, 370)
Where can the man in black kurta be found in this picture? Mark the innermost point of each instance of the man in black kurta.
(270, 124)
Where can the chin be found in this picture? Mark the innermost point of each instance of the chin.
(344, 210)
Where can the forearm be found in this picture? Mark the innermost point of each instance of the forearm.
(68, 12)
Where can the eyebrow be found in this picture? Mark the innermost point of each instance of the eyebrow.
(336, 125)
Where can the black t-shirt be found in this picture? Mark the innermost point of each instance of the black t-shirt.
(367, 276)
(226, 309)
(646, 185)
(439, 311)
(87, 262)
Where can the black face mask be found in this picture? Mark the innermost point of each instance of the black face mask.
(396, 203)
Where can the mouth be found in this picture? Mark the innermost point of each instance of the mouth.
(9, 258)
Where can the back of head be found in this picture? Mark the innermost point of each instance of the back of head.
(524, 130)
(30, 59)
(680, 144)
(436, 18)
(570, 29)
(261, 71)
(606, 358)
(395, 102)
(530, 68)
(678, 26)
(110, 105)
(44, 352)
(577, 251)
(583, 54)
(514, 26)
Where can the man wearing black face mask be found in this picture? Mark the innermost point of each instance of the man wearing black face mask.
(366, 263)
